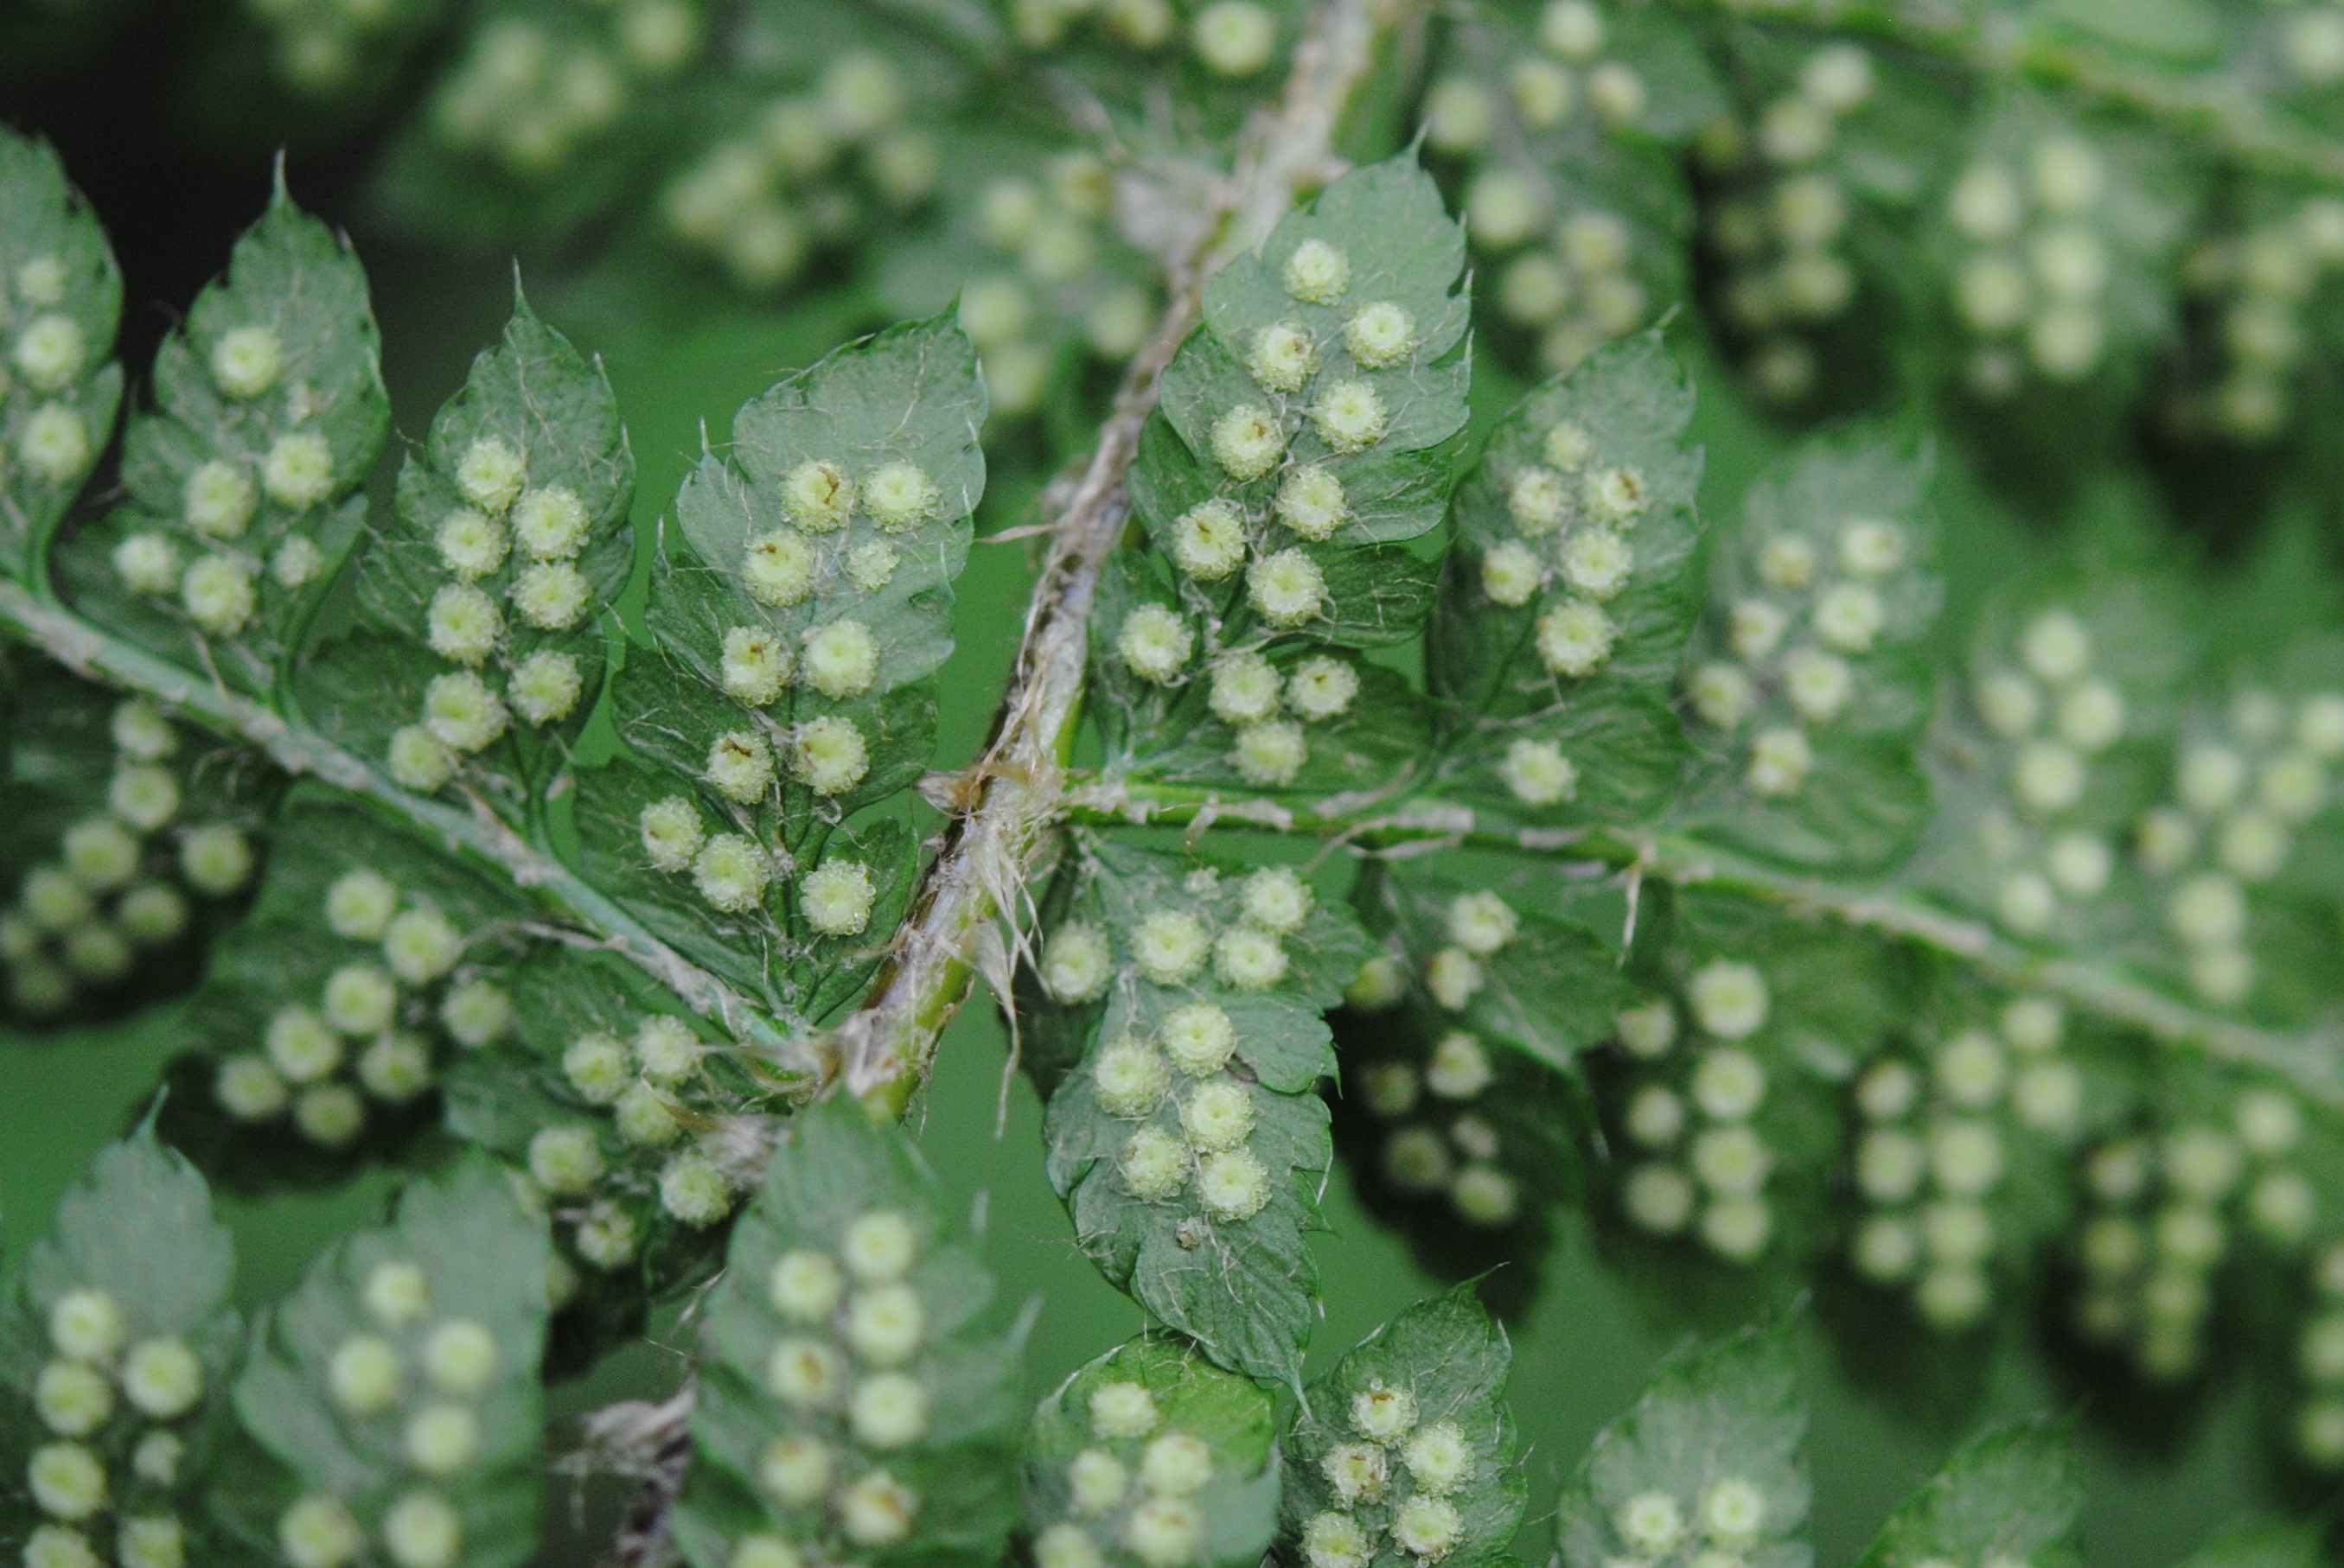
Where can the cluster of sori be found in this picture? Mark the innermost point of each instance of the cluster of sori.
(535, 91)
(1332, 394)
(2157, 1217)
(1234, 39)
(2257, 289)
(759, 665)
(1393, 1483)
(1433, 1104)
(399, 986)
(853, 1374)
(1776, 217)
(805, 171)
(411, 1379)
(44, 354)
(114, 889)
(1820, 600)
(1575, 519)
(1133, 1487)
(1712, 1529)
(108, 1464)
(524, 539)
(318, 48)
(2305, 39)
(1932, 1152)
(611, 1179)
(2317, 1429)
(2047, 854)
(1515, 114)
(2244, 786)
(1200, 1131)
(1068, 278)
(2033, 259)
(252, 501)
(1695, 1108)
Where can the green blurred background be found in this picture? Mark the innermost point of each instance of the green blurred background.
(1585, 1348)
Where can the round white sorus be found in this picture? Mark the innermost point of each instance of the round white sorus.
(1076, 963)
(732, 873)
(300, 1046)
(219, 499)
(1154, 1165)
(2056, 646)
(1417, 1161)
(1233, 1185)
(1311, 502)
(1155, 643)
(1733, 1509)
(71, 1398)
(1575, 638)
(819, 497)
(1208, 539)
(1246, 958)
(670, 831)
(837, 898)
(796, 1468)
(442, 1439)
(1122, 1410)
(459, 1357)
(1218, 1115)
(247, 361)
(778, 568)
(1654, 1117)
(298, 471)
(249, 1088)
(1615, 496)
(1321, 687)
(1722, 694)
(888, 1411)
(1731, 1160)
(899, 496)
(361, 903)
(1286, 589)
(545, 686)
(1379, 334)
(885, 1324)
(1510, 574)
(1818, 684)
(461, 711)
(421, 944)
(565, 1160)
(151, 914)
(154, 1542)
(87, 1324)
(1283, 357)
(49, 352)
(880, 1246)
(1537, 500)
(804, 1373)
(1245, 688)
(2210, 778)
(1164, 1531)
(1779, 761)
(1247, 442)
(100, 853)
(829, 755)
(1349, 416)
(318, 1532)
(471, 544)
(644, 1121)
(1460, 1067)
(550, 524)
(667, 1049)
(490, 474)
(551, 596)
(1276, 900)
(1482, 922)
(359, 999)
(218, 594)
(1597, 562)
(695, 1191)
(1355, 1470)
(1453, 977)
(741, 766)
(54, 445)
(1131, 1079)
(1756, 627)
(363, 1374)
(297, 563)
(2092, 715)
(464, 624)
(1067, 1545)
(1438, 1457)
(1177, 1464)
(1428, 1528)
(805, 1286)
(1729, 1084)
(1317, 273)
(1170, 947)
(872, 565)
(598, 1068)
(1651, 1522)
(841, 659)
(1849, 617)
(1233, 38)
(1538, 773)
(1199, 1038)
(1728, 999)
(422, 1529)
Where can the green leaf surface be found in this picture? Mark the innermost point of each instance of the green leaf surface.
(1147, 1448)
(2012, 1491)
(60, 301)
(1407, 1443)
(1712, 1456)
(853, 1399)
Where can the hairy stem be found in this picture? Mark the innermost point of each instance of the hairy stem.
(1016, 787)
(2220, 112)
(2309, 1062)
(475, 835)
